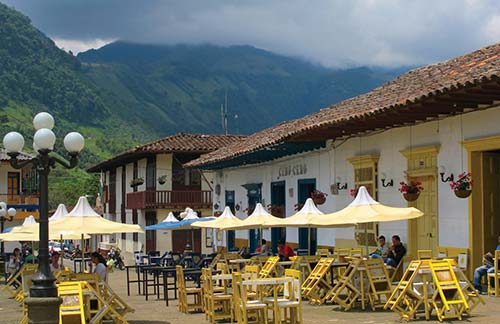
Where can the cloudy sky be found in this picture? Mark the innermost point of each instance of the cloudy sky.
(335, 33)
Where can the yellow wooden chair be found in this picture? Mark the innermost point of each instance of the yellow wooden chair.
(73, 304)
(404, 299)
(268, 270)
(292, 298)
(245, 308)
(316, 286)
(448, 299)
(323, 253)
(106, 310)
(442, 252)
(471, 294)
(185, 305)
(494, 277)
(14, 282)
(424, 254)
(356, 252)
(379, 281)
(345, 293)
(217, 306)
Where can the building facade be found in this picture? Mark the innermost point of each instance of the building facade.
(424, 126)
(142, 185)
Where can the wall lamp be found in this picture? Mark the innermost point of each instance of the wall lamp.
(341, 185)
(442, 172)
(386, 183)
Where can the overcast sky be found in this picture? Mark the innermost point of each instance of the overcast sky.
(335, 33)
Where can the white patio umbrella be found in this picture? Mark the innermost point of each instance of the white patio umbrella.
(61, 211)
(170, 218)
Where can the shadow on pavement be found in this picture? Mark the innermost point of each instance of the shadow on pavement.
(147, 322)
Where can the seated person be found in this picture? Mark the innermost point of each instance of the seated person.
(30, 258)
(262, 249)
(382, 249)
(54, 264)
(100, 265)
(395, 252)
(483, 270)
(285, 251)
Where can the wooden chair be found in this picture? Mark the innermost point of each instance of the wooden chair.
(494, 277)
(345, 293)
(397, 272)
(341, 254)
(404, 299)
(323, 253)
(448, 299)
(292, 298)
(244, 308)
(73, 304)
(269, 267)
(424, 254)
(471, 294)
(379, 281)
(184, 292)
(217, 306)
(356, 252)
(316, 285)
(442, 252)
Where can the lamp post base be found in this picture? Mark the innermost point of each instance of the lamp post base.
(43, 310)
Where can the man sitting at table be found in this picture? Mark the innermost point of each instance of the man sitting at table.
(285, 251)
(382, 249)
(486, 268)
(395, 252)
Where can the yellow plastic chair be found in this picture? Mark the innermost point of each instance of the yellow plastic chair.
(494, 278)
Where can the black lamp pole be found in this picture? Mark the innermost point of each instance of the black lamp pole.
(43, 280)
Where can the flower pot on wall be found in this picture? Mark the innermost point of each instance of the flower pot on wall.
(319, 200)
(411, 196)
(464, 193)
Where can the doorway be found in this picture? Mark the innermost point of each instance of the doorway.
(254, 194)
(306, 241)
(278, 209)
(231, 236)
(180, 238)
(491, 199)
(423, 231)
(150, 235)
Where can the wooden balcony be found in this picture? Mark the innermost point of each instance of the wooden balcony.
(21, 200)
(152, 199)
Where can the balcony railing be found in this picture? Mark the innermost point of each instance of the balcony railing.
(151, 199)
(19, 200)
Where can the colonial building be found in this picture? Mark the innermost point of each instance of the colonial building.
(19, 190)
(426, 125)
(142, 185)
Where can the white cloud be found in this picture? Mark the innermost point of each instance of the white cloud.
(77, 46)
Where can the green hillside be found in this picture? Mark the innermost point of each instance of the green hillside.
(169, 89)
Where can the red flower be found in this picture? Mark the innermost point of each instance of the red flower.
(464, 182)
(414, 187)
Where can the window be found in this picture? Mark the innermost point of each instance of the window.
(365, 174)
(135, 236)
(13, 185)
(112, 192)
(151, 173)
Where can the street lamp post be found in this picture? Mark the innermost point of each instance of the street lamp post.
(43, 304)
(4, 218)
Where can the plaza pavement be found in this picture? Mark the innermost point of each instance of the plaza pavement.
(155, 312)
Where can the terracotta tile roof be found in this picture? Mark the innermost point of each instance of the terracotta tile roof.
(189, 143)
(410, 88)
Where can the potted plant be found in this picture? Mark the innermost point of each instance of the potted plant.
(318, 197)
(136, 182)
(411, 190)
(463, 186)
(162, 179)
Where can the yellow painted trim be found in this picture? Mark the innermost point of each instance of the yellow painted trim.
(421, 150)
(482, 144)
(364, 160)
(421, 172)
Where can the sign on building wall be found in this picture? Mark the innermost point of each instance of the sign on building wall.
(292, 170)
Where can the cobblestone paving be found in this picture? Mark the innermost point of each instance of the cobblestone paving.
(155, 312)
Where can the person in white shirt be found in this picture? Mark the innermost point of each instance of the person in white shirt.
(100, 265)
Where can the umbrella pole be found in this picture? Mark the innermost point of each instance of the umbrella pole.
(62, 254)
(83, 254)
(309, 240)
(32, 252)
(366, 240)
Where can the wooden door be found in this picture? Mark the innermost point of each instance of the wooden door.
(13, 188)
(491, 200)
(182, 237)
(424, 230)
(151, 235)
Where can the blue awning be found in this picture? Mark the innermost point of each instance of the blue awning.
(183, 224)
(8, 229)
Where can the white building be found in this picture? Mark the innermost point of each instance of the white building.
(442, 118)
(142, 185)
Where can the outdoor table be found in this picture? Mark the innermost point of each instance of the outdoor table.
(79, 262)
(155, 270)
(138, 281)
(240, 261)
(275, 283)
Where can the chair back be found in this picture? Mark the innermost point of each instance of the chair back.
(442, 252)
(341, 254)
(356, 252)
(292, 289)
(268, 267)
(424, 254)
(239, 297)
(181, 283)
(324, 253)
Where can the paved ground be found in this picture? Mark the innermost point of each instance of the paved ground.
(155, 311)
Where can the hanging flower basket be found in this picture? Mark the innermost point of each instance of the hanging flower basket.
(411, 190)
(318, 197)
(162, 180)
(136, 182)
(463, 186)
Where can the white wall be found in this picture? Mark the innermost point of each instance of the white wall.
(326, 164)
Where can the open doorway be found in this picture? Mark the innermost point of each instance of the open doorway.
(306, 241)
(278, 209)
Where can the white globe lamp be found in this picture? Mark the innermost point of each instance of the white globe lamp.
(45, 139)
(43, 120)
(3, 205)
(74, 142)
(11, 212)
(13, 142)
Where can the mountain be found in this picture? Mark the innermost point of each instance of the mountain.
(181, 88)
